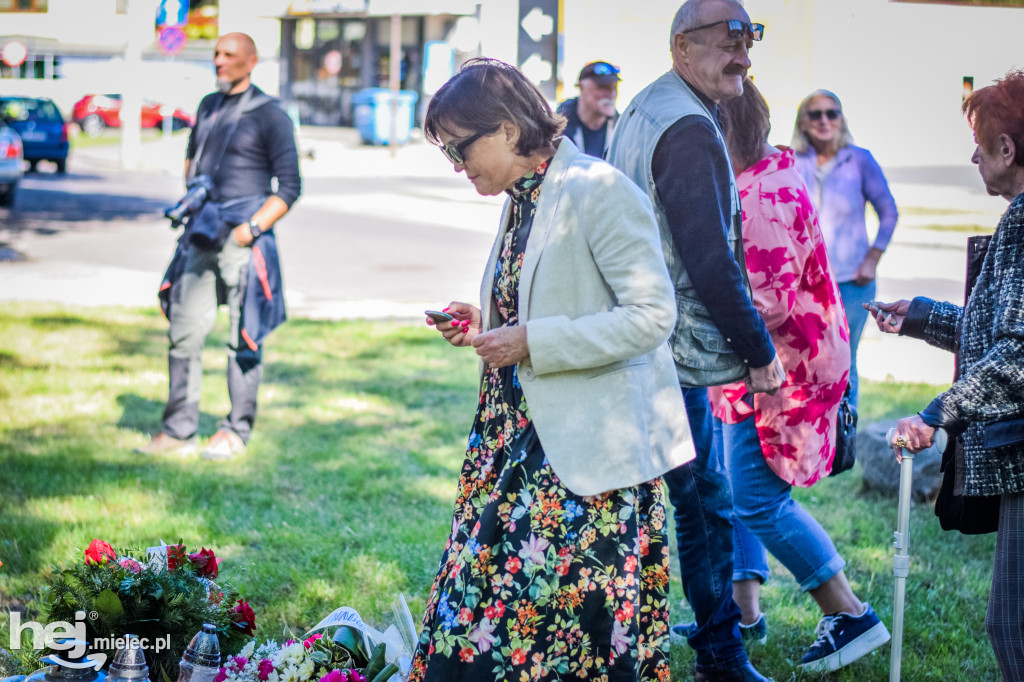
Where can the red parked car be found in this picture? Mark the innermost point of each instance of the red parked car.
(95, 113)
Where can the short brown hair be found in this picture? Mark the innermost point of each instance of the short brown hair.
(746, 125)
(997, 110)
(486, 93)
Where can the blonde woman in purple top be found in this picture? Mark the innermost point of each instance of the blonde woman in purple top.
(842, 180)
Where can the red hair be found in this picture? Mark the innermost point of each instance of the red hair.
(999, 110)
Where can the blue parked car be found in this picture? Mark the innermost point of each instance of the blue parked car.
(38, 122)
(10, 164)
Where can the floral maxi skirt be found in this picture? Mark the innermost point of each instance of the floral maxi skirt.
(537, 583)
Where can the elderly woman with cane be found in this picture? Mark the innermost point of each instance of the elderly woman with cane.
(984, 407)
(557, 563)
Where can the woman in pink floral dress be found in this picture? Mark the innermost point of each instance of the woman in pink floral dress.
(773, 442)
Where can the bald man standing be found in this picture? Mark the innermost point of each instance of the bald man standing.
(242, 141)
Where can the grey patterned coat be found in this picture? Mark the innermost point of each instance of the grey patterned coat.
(988, 334)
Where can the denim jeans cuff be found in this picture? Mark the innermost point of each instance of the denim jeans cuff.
(737, 661)
(823, 574)
(750, 574)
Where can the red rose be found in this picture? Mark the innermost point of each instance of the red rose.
(205, 562)
(243, 616)
(99, 552)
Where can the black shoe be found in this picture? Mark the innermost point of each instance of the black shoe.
(842, 639)
(745, 673)
(755, 633)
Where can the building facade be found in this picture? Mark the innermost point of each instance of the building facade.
(900, 66)
(331, 50)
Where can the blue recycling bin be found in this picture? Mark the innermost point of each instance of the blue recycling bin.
(372, 114)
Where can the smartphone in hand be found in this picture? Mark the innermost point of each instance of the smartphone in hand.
(873, 307)
(437, 316)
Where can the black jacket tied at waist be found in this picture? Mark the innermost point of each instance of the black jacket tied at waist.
(263, 308)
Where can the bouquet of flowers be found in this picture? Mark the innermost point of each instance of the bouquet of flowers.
(341, 648)
(315, 659)
(163, 597)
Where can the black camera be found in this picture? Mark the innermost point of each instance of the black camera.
(198, 191)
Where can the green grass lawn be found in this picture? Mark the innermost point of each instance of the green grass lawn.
(345, 495)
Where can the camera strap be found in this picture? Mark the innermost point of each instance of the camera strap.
(218, 120)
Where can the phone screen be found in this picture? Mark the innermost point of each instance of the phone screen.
(438, 316)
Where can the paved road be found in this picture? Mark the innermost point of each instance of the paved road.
(364, 240)
(382, 236)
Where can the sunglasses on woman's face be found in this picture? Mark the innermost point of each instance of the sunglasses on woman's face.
(456, 151)
(830, 114)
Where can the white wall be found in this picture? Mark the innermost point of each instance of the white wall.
(898, 67)
(499, 29)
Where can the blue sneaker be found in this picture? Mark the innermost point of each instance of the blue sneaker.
(755, 632)
(680, 631)
(842, 639)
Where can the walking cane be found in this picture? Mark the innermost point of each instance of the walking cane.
(901, 562)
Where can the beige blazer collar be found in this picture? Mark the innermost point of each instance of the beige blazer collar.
(547, 203)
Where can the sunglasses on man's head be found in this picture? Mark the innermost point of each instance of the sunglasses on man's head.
(735, 28)
(456, 151)
(830, 114)
(603, 69)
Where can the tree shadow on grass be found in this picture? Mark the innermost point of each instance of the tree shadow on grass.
(141, 342)
(14, 362)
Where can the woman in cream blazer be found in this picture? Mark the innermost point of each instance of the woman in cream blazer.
(559, 524)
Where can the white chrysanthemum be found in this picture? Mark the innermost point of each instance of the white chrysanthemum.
(268, 649)
(306, 669)
(293, 654)
(248, 649)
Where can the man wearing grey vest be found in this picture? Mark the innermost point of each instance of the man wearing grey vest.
(670, 143)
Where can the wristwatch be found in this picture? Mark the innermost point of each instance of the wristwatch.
(254, 228)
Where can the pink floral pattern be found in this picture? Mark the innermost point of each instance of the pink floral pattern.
(797, 295)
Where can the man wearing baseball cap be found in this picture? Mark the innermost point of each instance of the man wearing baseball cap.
(591, 116)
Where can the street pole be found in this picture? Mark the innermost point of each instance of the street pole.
(141, 21)
(395, 77)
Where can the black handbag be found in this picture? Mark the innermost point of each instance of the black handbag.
(846, 436)
(969, 515)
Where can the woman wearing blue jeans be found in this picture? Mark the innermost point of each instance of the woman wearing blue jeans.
(773, 442)
(843, 179)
